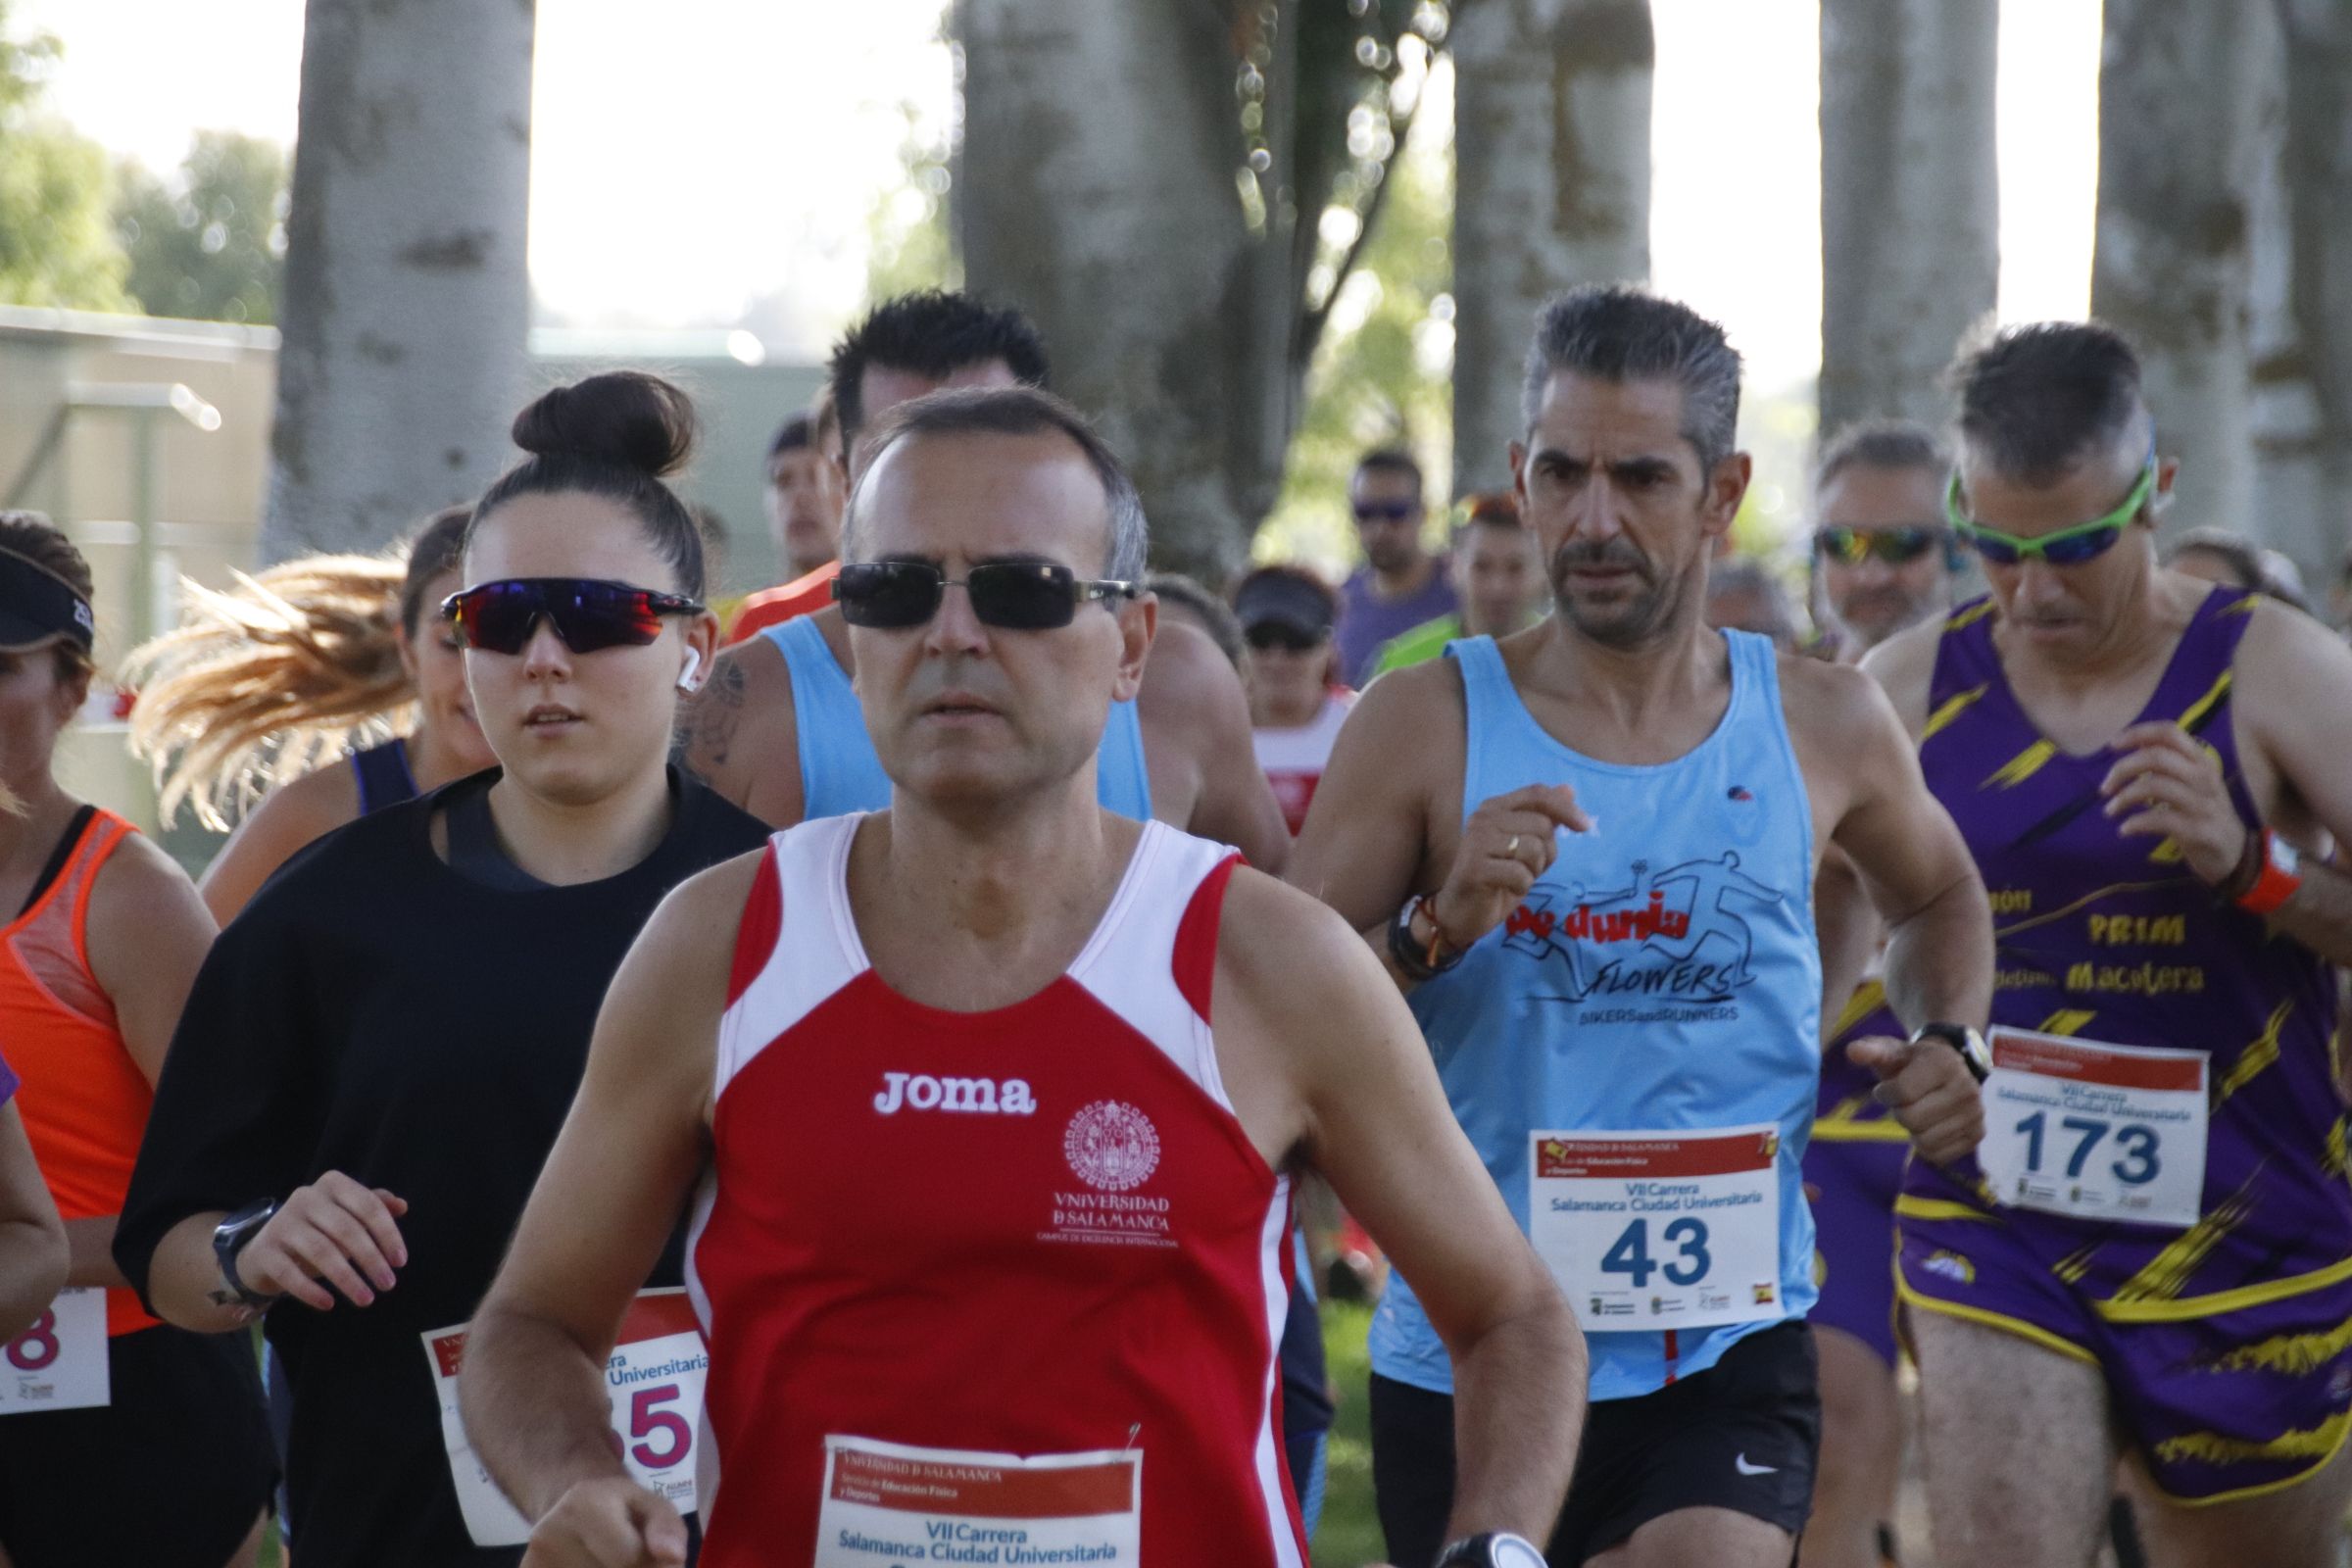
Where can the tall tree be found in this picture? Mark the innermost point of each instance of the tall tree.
(1551, 174)
(2318, 175)
(55, 245)
(211, 245)
(1910, 202)
(1180, 252)
(2181, 85)
(406, 304)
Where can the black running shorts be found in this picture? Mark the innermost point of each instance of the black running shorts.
(170, 1474)
(1742, 1435)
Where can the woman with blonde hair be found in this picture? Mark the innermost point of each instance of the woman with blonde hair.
(274, 682)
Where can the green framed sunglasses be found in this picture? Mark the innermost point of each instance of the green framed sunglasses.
(2068, 547)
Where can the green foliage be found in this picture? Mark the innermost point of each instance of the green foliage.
(1351, 1531)
(212, 244)
(55, 245)
(1381, 371)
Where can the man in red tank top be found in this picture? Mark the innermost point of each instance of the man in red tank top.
(990, 1244)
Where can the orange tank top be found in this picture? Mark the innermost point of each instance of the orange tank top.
(83, 1100)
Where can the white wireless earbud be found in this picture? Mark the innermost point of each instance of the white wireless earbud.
(694, 661)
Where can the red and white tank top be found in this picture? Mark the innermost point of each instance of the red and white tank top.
(1006, 1281)
(1294, 760)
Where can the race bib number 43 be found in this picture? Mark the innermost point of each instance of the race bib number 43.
(655, 1382)
(888, 1504)
(2096, 1131)
(1661, 1230)
(60, 1363)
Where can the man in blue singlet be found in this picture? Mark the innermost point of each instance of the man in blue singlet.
(1637, 1067)
(778, 730)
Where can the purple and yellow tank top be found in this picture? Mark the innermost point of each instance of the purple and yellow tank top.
(2115, 939)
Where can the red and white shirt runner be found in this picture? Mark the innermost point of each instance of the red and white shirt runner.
(1002, 1280)
(1294, 760)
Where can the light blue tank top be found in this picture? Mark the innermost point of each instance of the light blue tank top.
(840, 772)
(1623, 1028)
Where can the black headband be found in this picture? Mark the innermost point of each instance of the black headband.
(36, 604)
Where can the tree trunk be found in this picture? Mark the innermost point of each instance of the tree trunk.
(2180, 93)
(406, 305)
(2318, 176)
(1102, 149)
(1910, 200)
(1552, 189)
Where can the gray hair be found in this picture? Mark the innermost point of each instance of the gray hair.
(1903, 444)
(1744, 575)
(1617, 332)
(2035, 399)
(1014, 411)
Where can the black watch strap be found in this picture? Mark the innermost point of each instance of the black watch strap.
(1965, 1041)
(1495, 1549)
(230, 1238)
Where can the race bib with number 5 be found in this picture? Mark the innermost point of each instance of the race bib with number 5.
(655, 1382)
(886, 1504)
(2096, 1131)
(60, 1363)
(1661, 1230)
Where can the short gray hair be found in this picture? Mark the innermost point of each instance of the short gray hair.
(1905, 445)
(1014, 411)
(1617, 332)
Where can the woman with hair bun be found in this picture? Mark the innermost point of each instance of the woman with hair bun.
(269, 683)
(141, 1443)
(378, 1054)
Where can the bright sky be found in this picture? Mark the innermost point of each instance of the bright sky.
(754, 137)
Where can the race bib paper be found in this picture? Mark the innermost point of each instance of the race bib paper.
(1661, 1230)
(887, 1504)
(655, 1382)
(2096, 1131)
(60, 1363)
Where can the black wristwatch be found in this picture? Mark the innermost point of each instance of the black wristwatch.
(230, 1236)
(1499, 1549)
(1965, 1041)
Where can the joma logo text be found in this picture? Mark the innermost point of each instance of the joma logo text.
(920, 1091)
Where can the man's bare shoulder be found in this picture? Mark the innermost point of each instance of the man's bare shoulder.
(1904, 669)
(1424, 698)
(1289, 955)
(692, 933)
(2285, 653)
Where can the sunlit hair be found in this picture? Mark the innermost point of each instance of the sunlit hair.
(288, 670)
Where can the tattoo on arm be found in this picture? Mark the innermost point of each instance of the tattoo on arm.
(706, 724)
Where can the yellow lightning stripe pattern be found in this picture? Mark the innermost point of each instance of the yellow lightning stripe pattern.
(2021, 768)
(1952, 709)
(2168, 1273)
(1962, 618)
(2294, 1354)
(2301, 1443)
(2260, 1053)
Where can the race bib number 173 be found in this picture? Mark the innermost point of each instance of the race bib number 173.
(2096, 1131)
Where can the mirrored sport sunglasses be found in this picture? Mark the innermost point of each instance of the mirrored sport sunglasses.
(1895, 545)
(2068, 547)
(588, 614)
(1011, 595)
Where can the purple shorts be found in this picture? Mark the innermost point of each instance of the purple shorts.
(1853, 1183)
(2250, 1393)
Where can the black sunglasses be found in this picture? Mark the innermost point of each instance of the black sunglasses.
(1012, 595)
(1267, 635)
(1895, 545)
(1385, 510)
(588, 614)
